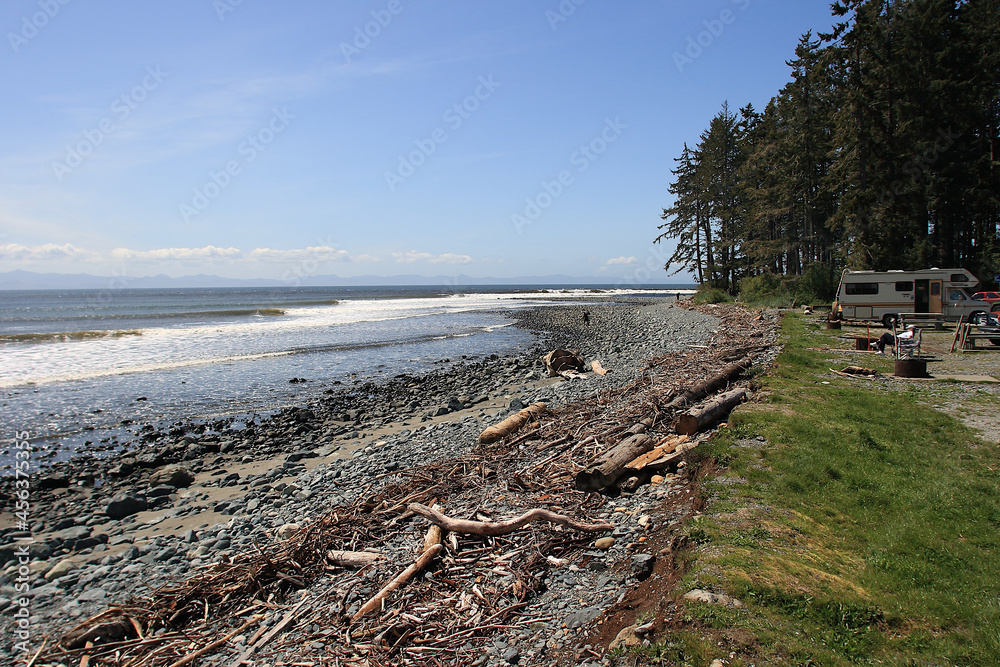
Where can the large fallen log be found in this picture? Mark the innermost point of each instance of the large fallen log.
(511, 424)
(712, 384)
(609, 467)
(503, 527)
(709, 413)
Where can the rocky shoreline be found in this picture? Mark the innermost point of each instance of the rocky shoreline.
(110, 530)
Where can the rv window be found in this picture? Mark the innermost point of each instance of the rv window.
(904, 286)
(956, 295)
(861, 288)
(935, 289)
(959, 278)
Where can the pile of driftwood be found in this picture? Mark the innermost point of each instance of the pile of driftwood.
(481, 532)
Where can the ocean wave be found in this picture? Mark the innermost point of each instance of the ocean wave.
(207, 361)
(62, 337)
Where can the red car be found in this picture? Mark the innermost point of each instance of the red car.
(992, 297)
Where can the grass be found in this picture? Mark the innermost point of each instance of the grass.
(866, 531)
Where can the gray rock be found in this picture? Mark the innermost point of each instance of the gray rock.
(642, 566)
(172, 475)
(125, 505)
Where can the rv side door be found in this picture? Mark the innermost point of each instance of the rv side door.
(934, 305)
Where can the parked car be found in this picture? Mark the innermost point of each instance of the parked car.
(987, 323)
(992, 297)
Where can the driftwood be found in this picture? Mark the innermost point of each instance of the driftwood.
(356, 559)
(422, 561)
(609, 466)
(503, 527)
(712, 384)
(105, 632)
(217, 643)
(709, 413)
(511, 424)
(557, 361)
(665, 447)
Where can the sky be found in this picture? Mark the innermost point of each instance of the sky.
(265, 139)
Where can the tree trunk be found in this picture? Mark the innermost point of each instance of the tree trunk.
(711, 412)
(712, 384)
(610, 466)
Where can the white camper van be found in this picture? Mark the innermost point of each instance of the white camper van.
(883, 295)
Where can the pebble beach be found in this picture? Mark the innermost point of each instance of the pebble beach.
(106, 531)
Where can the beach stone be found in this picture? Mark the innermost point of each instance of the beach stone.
(626, 637)
(59, 480)
(125, 505)
(158, 491)
(70, 536)
(172, 475)
(60, 569)
(699, 595)
(642, 566)
(151, 459)
(288, 530)
(124, 468)
(604, 543)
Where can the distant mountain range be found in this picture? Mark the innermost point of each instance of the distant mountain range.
(28, 280)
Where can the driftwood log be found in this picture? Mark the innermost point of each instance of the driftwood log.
(356, 559)
(709, 413)
(511, 424)
(712, 384)
(503, 527)
(609, 466)
(558, 361)
(422, 561)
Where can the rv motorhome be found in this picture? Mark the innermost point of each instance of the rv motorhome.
(883, 295)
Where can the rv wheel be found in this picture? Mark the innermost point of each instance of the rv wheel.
(996, 307)
(889, 320)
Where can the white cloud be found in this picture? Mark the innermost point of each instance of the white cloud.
(314, 253)
(625, 261)
(48, 251)
(451, 258)
(446, 258)
(208, 253)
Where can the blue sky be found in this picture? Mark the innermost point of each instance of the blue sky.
(254, 138)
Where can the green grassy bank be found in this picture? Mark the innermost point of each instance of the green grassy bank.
(856, 524)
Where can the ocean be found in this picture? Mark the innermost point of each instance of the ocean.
(77, 367)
